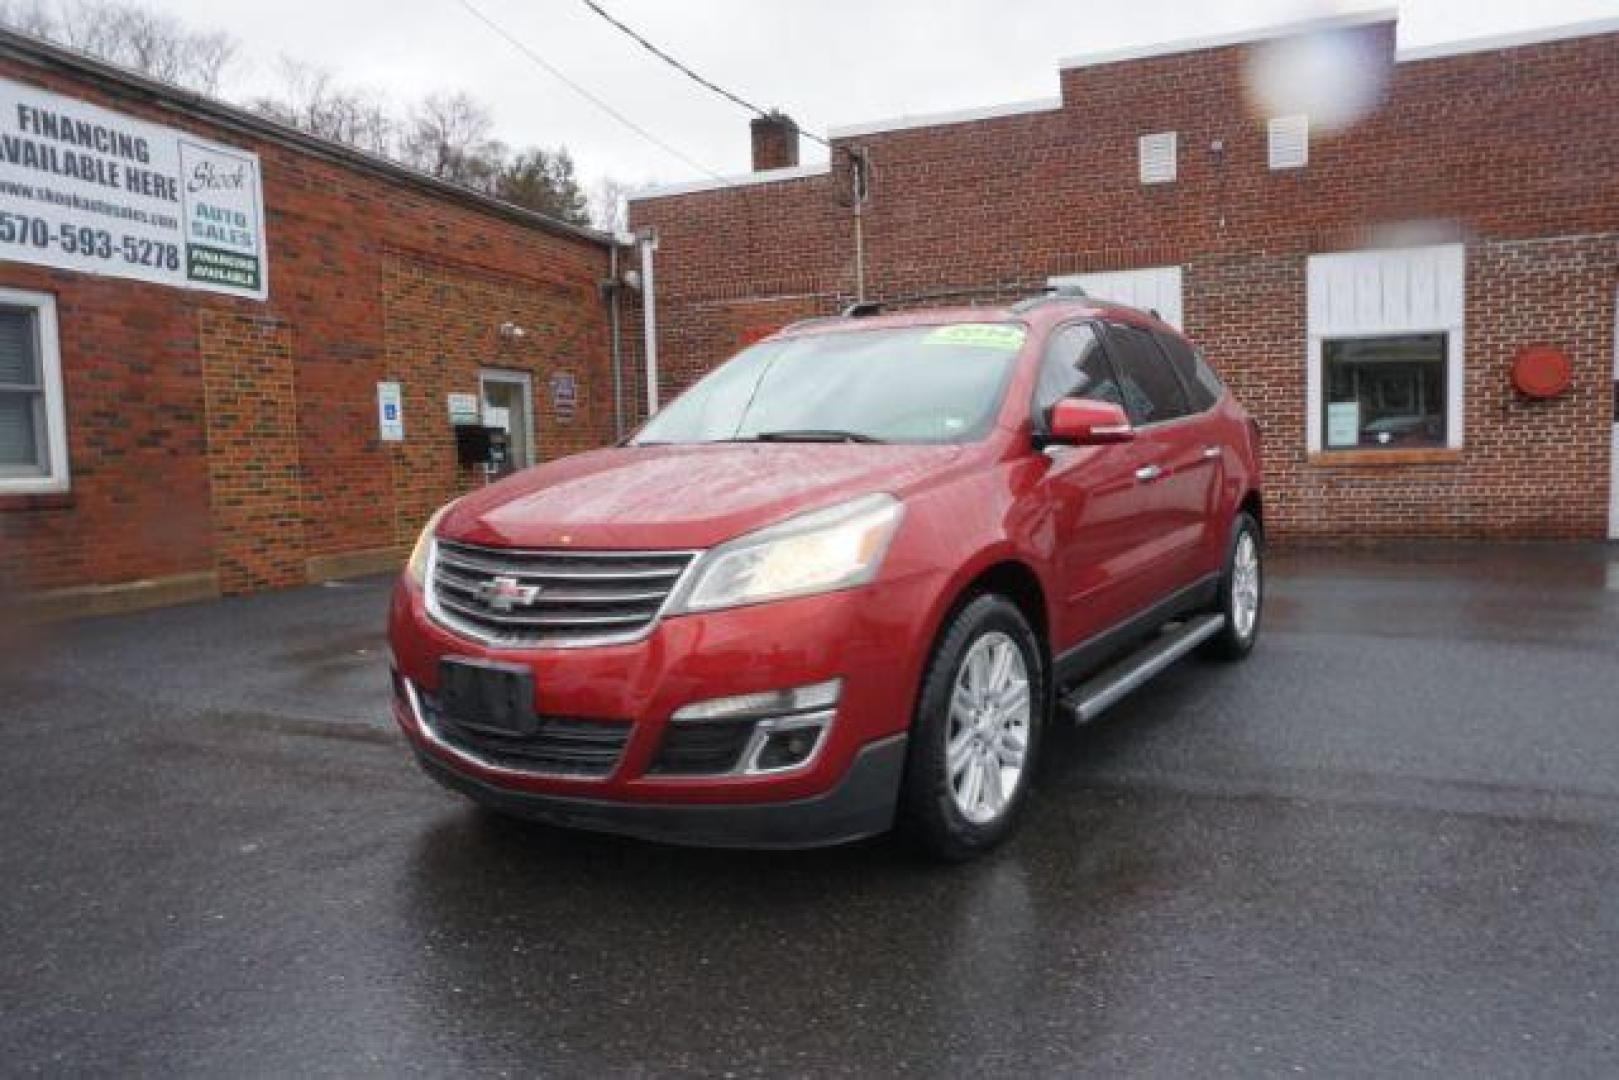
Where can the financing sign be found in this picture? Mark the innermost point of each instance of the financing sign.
(88, 189)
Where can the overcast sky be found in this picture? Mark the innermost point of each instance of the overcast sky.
(826, 62)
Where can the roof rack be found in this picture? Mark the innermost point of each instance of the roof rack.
(1051, 294)
(861, 309)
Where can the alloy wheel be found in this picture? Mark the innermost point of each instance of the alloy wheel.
(1245, 586)
(990, 712)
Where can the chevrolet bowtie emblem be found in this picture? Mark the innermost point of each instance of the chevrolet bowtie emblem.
(506, 593)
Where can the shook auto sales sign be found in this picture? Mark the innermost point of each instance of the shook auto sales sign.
(84, 188)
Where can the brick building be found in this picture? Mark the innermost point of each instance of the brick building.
(1366, 283)
(267, 400)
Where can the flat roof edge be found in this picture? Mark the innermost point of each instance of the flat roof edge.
(941, 119)
(1543, 35)
(768, 176)
(1349, 20)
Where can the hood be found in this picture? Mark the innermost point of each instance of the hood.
(695, 496)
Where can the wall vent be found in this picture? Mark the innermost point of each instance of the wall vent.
(1289, 142)
(1158, 158)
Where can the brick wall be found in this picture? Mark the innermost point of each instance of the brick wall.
(253, 477)
(132, 376)
(371, 279)
(1514, 151)
(443, 328)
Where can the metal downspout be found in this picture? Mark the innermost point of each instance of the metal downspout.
(649, 313)
(615, 286)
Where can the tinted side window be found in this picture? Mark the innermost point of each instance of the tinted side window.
(1075, 365)
(1152, 392)
(1201, 384)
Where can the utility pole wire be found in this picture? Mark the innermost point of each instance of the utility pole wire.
(689, 73)
(563, 78)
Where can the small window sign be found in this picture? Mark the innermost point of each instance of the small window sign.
(564, 395)
(1343, 423)
(463, 408)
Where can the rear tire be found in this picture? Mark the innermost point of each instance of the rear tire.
(1241, 594)
(976, 733)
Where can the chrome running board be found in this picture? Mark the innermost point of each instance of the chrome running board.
(1090, 698)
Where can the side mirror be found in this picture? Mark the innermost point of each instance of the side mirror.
(1083, 422)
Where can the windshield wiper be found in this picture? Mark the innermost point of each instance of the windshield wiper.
(832, 435)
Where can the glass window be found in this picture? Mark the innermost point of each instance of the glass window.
(24, 449)
(1152, 391)
(1384, 391)
(916, 384)
(1075, 365)
(1203, 386)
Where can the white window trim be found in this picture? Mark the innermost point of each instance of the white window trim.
(50, 370)
(1455, 350)
(1453, 382)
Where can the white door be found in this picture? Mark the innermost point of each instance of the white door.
(1153, 288)
(508, 402)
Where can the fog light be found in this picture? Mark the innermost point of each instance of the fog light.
(781, 729)
(783, 748)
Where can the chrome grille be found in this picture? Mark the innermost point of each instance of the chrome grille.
(519, 598)
(561, 747)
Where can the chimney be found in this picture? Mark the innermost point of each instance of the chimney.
(775, 142)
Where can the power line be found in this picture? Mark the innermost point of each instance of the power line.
(689, 73)
(563, 78)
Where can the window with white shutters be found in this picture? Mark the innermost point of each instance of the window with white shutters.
(32, 444)
(1158, 158)
(1289, 142)
(1386, 338)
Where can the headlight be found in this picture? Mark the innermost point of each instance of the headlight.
(817, 552)
(422, 553)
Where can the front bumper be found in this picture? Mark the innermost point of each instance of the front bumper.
(860, 805)
(866, 639)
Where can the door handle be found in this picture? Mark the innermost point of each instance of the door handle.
(1148, 473)
(1211, 452)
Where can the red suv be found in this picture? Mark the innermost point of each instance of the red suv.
(844, 581)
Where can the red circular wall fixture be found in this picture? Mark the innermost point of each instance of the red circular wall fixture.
(1542, 371)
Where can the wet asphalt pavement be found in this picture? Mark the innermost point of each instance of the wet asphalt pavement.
(1388, 844)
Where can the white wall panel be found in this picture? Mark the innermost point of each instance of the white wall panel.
(1153, 288)
(1387, 291)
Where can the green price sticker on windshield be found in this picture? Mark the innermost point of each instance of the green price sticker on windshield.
(977, 335)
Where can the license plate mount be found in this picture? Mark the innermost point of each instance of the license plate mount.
(486, 695)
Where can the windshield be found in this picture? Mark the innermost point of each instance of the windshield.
(919, 384)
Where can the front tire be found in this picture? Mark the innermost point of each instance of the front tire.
(1241, 592)
(976, 732)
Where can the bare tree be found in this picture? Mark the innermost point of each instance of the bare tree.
(131, 36)
(32, 17)
(312, 100)
(451, 136)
